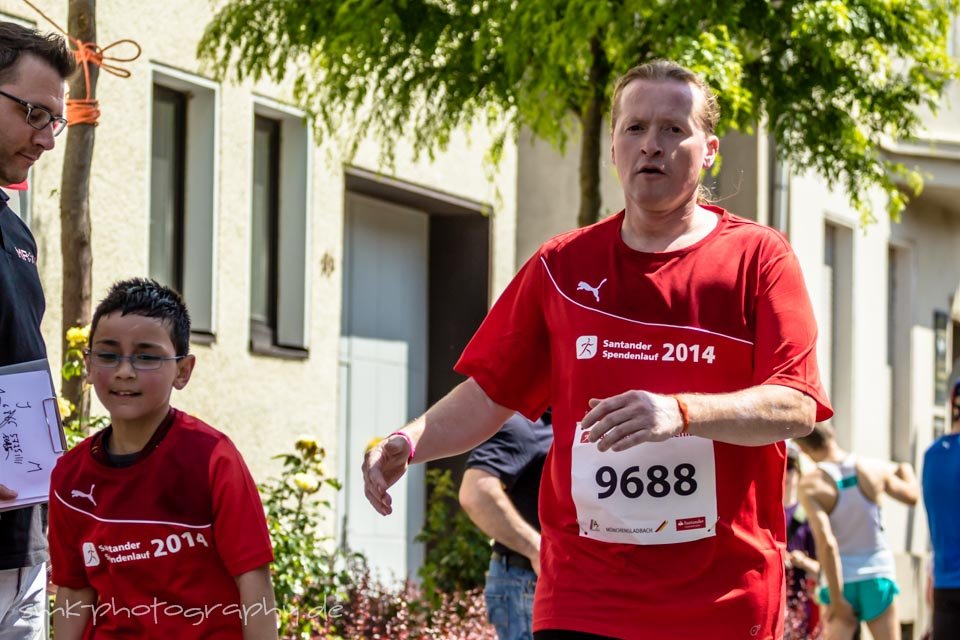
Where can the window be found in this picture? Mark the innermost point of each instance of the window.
(167, 178)
(265, 231)
(836, 330)
(779, 186)
(279, 231)
(182, 196)
(899, 309)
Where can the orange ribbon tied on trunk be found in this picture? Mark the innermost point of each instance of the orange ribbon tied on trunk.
(86, 110)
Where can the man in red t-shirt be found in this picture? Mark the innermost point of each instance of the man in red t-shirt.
(681, 349)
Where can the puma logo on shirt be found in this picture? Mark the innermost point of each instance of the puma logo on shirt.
(76, 493)
(583, 286)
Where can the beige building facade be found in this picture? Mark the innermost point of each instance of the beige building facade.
(314, 282)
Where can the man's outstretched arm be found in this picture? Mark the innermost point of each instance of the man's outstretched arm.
(752, 417)
(458, 422)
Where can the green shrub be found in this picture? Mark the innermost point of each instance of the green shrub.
(457, 552)
(309, 572)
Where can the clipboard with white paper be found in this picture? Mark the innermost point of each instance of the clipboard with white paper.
(31, 433)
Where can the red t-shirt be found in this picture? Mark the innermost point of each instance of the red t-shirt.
(588, 317)
(162, 540)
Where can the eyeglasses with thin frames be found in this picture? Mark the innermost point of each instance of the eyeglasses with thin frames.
(139, 361)
(39, 117)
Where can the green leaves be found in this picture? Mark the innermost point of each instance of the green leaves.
(832, 79)
(308, 568)
(457, 552)
(850, 76)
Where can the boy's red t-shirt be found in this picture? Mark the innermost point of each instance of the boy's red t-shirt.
(667, 540)
(160, 541)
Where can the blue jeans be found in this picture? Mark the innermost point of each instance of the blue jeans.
(509, 598)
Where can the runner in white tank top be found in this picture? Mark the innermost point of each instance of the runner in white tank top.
(842, 501)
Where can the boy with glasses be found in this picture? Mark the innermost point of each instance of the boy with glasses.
(33, 68)
(156, 526)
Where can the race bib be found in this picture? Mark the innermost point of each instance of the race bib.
(653, 493)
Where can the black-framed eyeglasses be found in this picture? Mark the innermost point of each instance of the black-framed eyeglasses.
(39, 117)
(139, 361)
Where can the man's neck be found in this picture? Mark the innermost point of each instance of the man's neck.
(655, 232)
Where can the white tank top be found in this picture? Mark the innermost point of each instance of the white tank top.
(856, 524)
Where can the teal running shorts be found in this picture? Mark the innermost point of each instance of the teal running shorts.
(869, 598)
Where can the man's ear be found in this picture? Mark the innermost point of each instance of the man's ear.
(184, 371)
(713, 148)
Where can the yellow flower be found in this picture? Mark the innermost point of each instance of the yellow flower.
(307, 445)
(306, 482)
(373, 442)
(78, 336)
(65, 406)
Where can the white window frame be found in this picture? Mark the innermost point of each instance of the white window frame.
(294, 246)
(201, 186)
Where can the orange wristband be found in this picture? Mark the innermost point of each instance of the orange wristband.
(684, 414)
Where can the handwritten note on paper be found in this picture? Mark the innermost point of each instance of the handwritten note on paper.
(28, 449)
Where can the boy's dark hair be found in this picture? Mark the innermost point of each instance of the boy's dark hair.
(818, 438)
(149, 298)
(51, 48)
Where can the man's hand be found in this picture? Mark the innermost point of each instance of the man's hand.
(631, 418)
(383, 465)
(7, 494)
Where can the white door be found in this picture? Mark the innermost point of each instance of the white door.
(383, 369)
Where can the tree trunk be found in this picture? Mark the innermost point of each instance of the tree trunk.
(74, 197)
(591, 125)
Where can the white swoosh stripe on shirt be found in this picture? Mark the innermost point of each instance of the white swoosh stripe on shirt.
(649, 324)
(111, 521)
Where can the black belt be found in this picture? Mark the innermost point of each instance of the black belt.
(512, 560)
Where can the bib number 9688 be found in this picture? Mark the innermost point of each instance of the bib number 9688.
(658, 484)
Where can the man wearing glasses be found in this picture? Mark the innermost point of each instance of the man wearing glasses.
(33, 69)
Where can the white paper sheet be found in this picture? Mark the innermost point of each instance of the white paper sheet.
(30, 435)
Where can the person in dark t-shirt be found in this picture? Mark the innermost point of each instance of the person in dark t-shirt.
(32, 72)
(499, 492)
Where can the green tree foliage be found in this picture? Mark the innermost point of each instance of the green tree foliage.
(831, 79)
